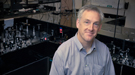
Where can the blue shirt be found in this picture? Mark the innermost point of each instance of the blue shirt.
(72, 59)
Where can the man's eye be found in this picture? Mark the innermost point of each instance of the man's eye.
(87, 22)
(96, 23)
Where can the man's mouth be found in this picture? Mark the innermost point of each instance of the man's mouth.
(89, 33)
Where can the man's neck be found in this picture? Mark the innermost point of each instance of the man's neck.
(86, 45)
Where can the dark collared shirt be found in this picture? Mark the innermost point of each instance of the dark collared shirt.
(72, 59)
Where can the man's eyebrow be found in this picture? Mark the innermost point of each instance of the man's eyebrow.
(86, 20)
(97, 22)
(94, 22)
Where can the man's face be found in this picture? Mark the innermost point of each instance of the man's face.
(88, 25)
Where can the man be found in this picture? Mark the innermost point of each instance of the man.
(83, 54)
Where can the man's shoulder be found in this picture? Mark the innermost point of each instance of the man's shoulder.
(65, 47)
(99, 43)
(102, 48)
(67, 43)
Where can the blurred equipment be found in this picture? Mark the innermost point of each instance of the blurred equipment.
(38, 67)
(1, 10)
(15, 5)
(46, 1)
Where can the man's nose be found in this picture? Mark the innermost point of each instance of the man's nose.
(91, 27)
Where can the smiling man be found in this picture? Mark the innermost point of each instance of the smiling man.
(83, 54)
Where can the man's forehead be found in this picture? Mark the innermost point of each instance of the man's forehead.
(84, 16)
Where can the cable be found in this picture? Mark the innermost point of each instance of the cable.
(42, 16)
(66, 4)
(31, 16)
(124, 12)
(121, 69)
(74, 9)
(116, 20)
(5, 1)
(53, 12)
(124, 9)
(34, 62)
(63, 13)
(65, 20)
(48, 16)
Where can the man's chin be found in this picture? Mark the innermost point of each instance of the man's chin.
(89, 39)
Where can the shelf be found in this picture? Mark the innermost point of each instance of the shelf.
(19, 15)
(49, 1)
(40, 2)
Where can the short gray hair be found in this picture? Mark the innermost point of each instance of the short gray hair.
(90, 7)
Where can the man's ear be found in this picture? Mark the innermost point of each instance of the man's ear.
(100, 27)
(77, 23)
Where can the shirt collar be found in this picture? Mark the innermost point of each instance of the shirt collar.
(79, 45)
(93, 47)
